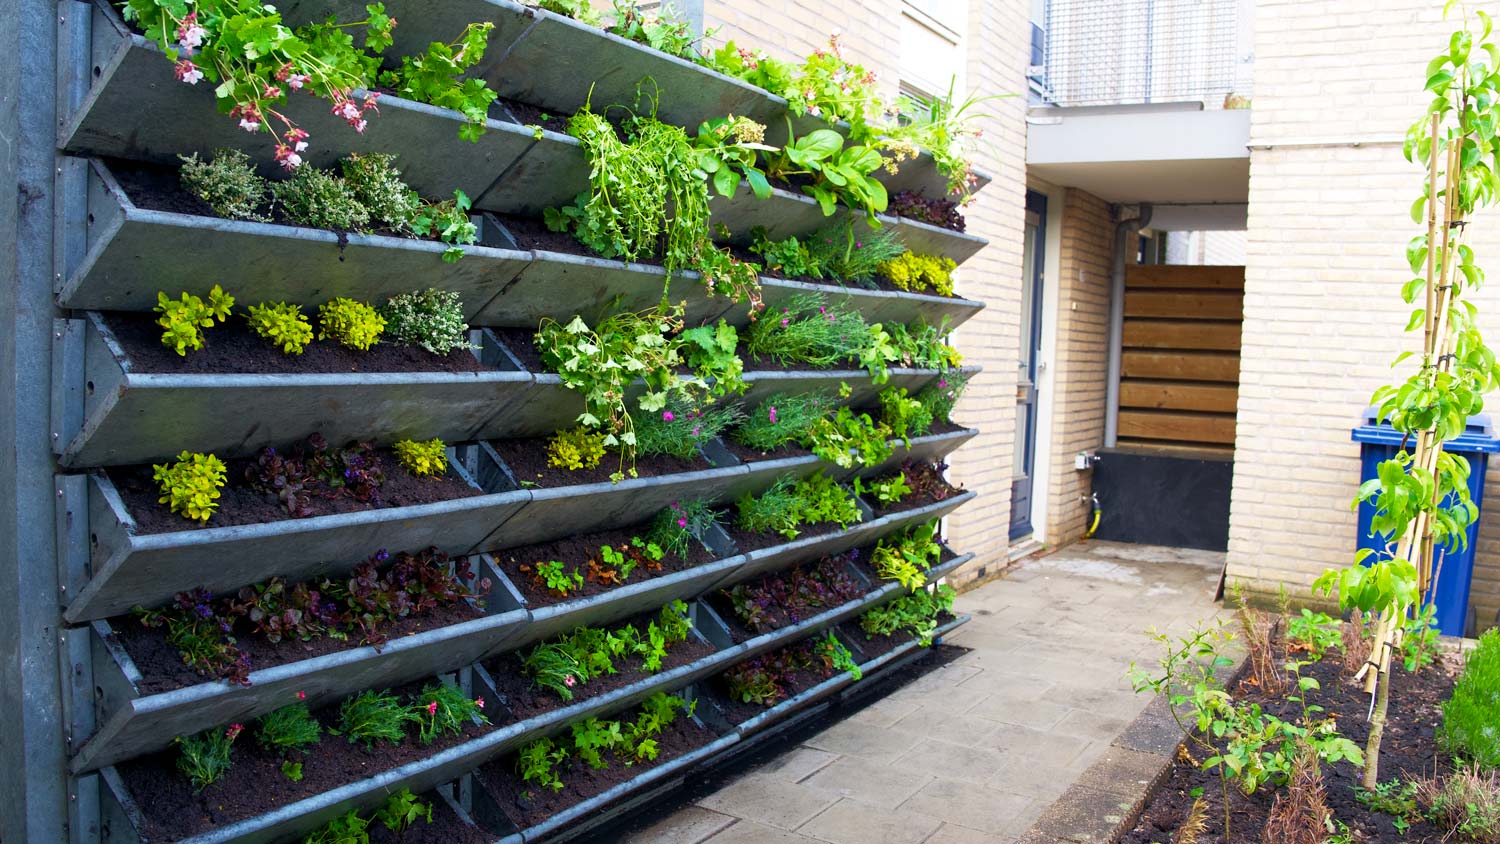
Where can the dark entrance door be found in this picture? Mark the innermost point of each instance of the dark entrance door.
(1023, 481)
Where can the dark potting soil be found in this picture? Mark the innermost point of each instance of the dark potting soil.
(239, 504)
(746, 541)
(529, 115)
(928, 487)
(527, 459)
(526, 700)
(777, 616)
(577, 551)
(527, 805)
(445, 828)
(1408, 750)
(751, 455)
(531, 233)
(255, 784)
(162, 668)
(234, 347)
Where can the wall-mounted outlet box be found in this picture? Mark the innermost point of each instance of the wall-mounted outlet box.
(1085, 460)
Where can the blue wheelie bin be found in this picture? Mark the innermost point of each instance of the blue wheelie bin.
(1379, 442)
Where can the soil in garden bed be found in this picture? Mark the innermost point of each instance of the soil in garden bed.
(738, 712)
(526, 700)
(752, 455)
(527, 459)
(1408, 750)
(239, 504)
(776, 614)
(927, 485)
(255, 784)
(577, 551)
(445, 828)
(233, 347)
(746, 541)
(529, 115)
(531, 233)
(162, 668)
(527, 805)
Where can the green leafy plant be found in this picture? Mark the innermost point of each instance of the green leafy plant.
(443, 710)
(942, 395)
(839, 172)
(1419, 639)
(1464, 805)
(345, 829)
(449, 222)
(579, 10)
(321, 200)
(376, 184)
(836, 656)
(676, 530)
(291, 727)
(850, 251)
(711, 352)
(537, 763)
(284, 325)
(592, 738)
(1314, 633)
(916, 613)
(373, 717)
(946, 128)
(425, 459)
(918, 273)
(1471, 716)
(183, 320)
(351, 323)
(430, 319)
(1395, 798)
(402, 810)
(904, 415)
(204, 758)
(887, 491)
(789, 256)
(921, 345)
(783, 418)
(680, 432)
(292, 770)
(438, 78)
(228, 183)
(791, 503)
(846, 439)
(661, 29)
(576, 448)
(754, 66)
(190, 487)
(809, 330)
(553, 575)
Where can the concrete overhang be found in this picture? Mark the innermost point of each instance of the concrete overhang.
(1150, 153)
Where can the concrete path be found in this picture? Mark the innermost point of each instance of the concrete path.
(982, 749)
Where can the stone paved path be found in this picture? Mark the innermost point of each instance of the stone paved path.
(980, 749)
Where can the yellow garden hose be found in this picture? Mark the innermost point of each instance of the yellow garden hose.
(1094, 519)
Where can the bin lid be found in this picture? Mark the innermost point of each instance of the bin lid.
(1479, 434)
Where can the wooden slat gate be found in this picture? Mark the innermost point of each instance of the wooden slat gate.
(1180, 361)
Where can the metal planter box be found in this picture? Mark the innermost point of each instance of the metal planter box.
(928, 448)
(130, 416)
(134, 724)
(883, 306)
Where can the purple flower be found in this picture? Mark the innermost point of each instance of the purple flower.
(785, 322)
(666, 416)
(942, 383)
(773, 415)
(682, 523)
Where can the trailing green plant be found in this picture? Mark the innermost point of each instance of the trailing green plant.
(905, 415)
(918, 273)
(425, 459)
(402, 810)
(439, 77)
(846, 439)
(430, 319)
(576, 448)
(190, 487)
(443, 710)
(942, 395)
(205, 758)
(789, 504)
(781, 419)
(1420, 497)
(289, 728)
(284, 325)
(182, 320)
(372, 717)
(711, 352)
(678, 528)
(449, 222)
(376, 184)
(916, 613)
(754, 66)
(1471, 716)
(836, 656)
(321, 200)
(354, 324)
(680, 432)
(887, 491)
(228, 183)
(660, 29)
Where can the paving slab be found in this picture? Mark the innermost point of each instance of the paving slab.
(871, 783)
(691, 825)
(769, 801)
(851, 822)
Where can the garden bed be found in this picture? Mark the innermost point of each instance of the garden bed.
(1408, 750)
(928, 486)
(445, 827)
(527, 460)
(575, 551)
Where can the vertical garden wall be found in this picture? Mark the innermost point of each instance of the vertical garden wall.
(408, 457)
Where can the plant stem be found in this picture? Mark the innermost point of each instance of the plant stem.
(1371, 777)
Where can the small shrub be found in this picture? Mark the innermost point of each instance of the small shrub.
(424, 459)
(376, 184)
(1471, 717)
(204, 758)
(284, 325)
(183, 320)
(678, 528)
(444, 710)
(680, 433)
(288, 728)
(352, 323)
(1465, 804)
(575, 449)
(917, 273)
(312, 197)
(228, 183)
(402, 810)
(373, 717)
(430, 319)
(190, 487)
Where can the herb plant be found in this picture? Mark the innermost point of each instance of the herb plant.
(315, 469)
(851, 251)
(918, 273)
(916, 614)
(680, 432)
(430, 319)
(204, 758)
(942, 395)
(449, 222)
(425, 459)
(676, 530)
(443, 710)
(537, 763)
(354, 324)
(838, 172)
(348, 828)
(183, 320)
(289, 728)
(376, 185)
(836, 657)
(764, 680)
(847, 438)
(228, 183)
(710, 351)
(809, 330)
(904, 415)
(576, 448)
(1471, 717)
(783, 418)
(373, 717)
(438, 78)
(790, 504)
(321, 200)
(190, 487)
(284, 325)
(553, 575)
(888, 491)
(402, 810)
(905, 557)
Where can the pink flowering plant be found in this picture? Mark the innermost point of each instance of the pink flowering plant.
(256, 62)
(781, 419)
(677, 529)
(444, 710)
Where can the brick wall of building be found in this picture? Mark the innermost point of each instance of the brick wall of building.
(1336, 85)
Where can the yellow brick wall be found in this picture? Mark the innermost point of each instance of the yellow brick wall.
(1336, 84)
(995, 63)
